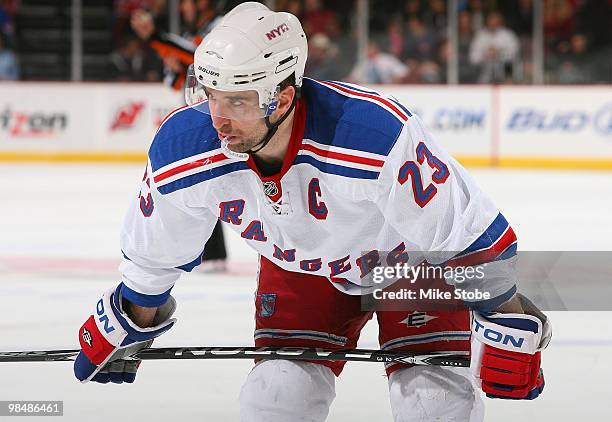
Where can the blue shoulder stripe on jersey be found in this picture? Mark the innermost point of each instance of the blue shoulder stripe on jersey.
(400, 105)
(141, 299)
(352, 123)
(184, 134)
(488, 237)
(336, 169)
(194, 179)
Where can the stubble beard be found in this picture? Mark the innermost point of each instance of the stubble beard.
(244, 145)
(247, 144)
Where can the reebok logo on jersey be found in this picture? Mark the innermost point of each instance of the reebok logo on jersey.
(417, 319)
(87, 337)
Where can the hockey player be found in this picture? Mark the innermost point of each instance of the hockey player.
(321, 178)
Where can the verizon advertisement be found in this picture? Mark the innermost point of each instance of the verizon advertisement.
(51, 117)
(37, 116)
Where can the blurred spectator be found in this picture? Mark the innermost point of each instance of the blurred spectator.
(322, 55)
(316, 18)
(518, 15)
(577, 66)
(412, 9)
(495, 51)
(559, 19)
(294, 7)
(379, 68)
(198, 18)
(395, 38)
(421, 43)
(10, 6)
(467, 71)
(9, 68)
(346, 44)
(435, 16)
(464, 28)
(125, 8)
(7, 11)
(595, 17)
(478, 14)
(132, 63)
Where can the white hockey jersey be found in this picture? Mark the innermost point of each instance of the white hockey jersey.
(363, 184)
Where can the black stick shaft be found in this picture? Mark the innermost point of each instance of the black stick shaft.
(286, 353)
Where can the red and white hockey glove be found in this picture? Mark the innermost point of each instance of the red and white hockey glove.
(109, 335)
(505, 357)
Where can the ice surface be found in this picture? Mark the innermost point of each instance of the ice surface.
(59, 229)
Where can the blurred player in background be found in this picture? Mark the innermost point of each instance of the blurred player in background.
(199, 17)
(326, 181)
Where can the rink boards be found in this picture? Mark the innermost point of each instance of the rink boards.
(508, 126)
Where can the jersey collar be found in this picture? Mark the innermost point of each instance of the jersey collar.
(295, 142)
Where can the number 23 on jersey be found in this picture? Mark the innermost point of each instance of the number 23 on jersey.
(412, 170)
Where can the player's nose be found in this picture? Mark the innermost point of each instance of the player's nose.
(220, 122)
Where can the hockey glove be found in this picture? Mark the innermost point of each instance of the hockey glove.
(109, 335)
(506, 352)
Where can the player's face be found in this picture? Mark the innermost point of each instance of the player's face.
(238, 117)
(242, 135)
(233, 119)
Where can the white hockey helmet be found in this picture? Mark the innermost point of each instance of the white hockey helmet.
(252, 49)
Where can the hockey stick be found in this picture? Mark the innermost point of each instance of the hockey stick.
(287, 353)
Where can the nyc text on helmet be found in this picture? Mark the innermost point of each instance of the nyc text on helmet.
(251, 49)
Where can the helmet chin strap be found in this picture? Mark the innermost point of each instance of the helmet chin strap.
(273, 127)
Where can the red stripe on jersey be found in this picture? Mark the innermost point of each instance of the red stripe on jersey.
(370, 96)
(189, 166)
(486, 255)
(343, 157)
